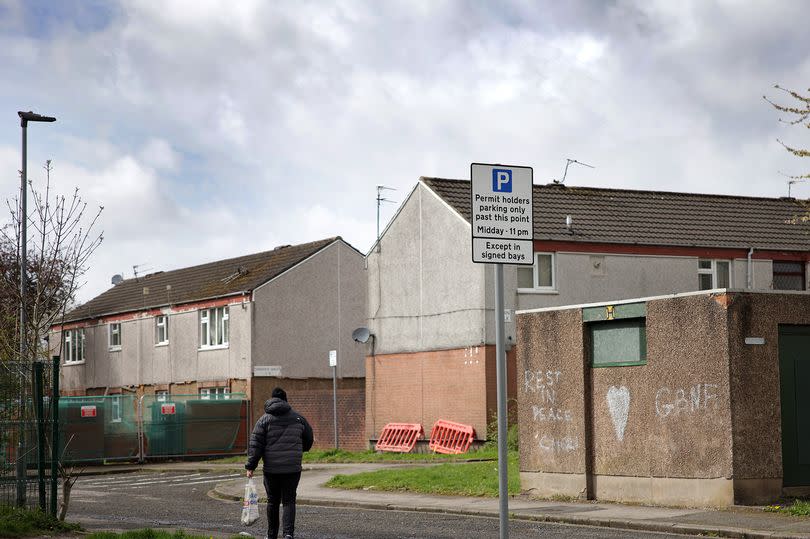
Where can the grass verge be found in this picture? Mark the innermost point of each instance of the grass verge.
(799, 508)
(461, 479)
(350, 457)
(16, 522)
(148, 533)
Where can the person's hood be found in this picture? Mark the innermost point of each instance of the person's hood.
(276, 406)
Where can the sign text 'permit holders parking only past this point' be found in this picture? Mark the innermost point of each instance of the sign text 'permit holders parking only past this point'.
(501, 219)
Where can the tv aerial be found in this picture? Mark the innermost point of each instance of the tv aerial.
(568, 163)
(380, 200)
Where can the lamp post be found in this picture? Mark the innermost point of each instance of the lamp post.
(25, 117)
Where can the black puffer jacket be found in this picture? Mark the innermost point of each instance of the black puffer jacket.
(280, 437)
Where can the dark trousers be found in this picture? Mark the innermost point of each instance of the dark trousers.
(281, 488)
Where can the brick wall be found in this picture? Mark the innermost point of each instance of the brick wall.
(422, 387)
(313, 398)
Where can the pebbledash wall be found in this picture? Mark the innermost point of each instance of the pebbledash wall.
(698, 425)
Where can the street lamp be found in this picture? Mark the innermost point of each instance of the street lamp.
(25, 117)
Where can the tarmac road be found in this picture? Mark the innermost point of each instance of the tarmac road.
(180, 500)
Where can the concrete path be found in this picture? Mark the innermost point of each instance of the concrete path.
(741, 522)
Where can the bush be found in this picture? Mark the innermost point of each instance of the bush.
(512, 442)
(15, 522)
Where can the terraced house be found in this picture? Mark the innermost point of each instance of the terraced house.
(431, 309)
(241, 325)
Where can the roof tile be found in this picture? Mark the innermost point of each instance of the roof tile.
(654, 217)
(206, 281)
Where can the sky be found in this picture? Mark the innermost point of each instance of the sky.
(210, 129)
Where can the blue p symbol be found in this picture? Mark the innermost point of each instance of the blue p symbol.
(502, 180)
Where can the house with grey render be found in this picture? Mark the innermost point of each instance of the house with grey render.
(241, 325)
(431, 309)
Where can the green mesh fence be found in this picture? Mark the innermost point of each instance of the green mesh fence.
(191, 425)
(125, 427)
(99, 428)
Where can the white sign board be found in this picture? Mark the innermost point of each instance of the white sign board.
(333, 358)
(501, 220)
(267, 370)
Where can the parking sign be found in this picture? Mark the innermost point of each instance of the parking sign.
(502, 221)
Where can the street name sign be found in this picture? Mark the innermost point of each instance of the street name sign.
(501, 218)
(267, 370)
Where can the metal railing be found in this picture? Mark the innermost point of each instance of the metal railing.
(29, 434)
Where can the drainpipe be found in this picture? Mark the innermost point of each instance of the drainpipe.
(749, 281)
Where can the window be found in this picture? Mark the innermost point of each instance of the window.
(618, 342)
(214, 329)
(115, 336)
(115, 404)
(617, 334)
(162, 329)
(540, 276)
(714, 274)
(161, 396)
(73, 349)
(788, 275)
(215, 393)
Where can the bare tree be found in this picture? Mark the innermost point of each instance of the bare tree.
(798, 114)
(62, 237)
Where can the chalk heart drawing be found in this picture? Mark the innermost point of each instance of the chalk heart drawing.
(618, 399)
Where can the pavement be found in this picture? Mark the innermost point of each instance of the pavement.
(744, 522)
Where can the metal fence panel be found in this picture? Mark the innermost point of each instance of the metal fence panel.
(191, 425)
(27, 477)
(99, 428)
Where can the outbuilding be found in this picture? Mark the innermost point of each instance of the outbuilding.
(695, 399)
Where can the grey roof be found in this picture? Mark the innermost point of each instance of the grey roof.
(622, 216)
(207, 281)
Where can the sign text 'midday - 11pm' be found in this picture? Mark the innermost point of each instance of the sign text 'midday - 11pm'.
(501, 219)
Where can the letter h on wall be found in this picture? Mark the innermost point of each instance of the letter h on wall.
(501, 180)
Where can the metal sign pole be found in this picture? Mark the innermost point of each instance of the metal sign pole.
(334, 404)
(333, 364)
(502, 226)
(500, 377)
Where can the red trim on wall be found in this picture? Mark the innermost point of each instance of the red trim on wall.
(135, 315)
(665, 250)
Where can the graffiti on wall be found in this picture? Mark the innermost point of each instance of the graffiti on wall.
(551, 444)
(543, 384)
(542, 387)
(618, 400)
(698, 399)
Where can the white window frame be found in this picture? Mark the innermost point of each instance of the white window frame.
(161, 395)
(115, 408)
(207, 392)
(214, 328)
(536, 289)
(162, 323)
(114, 332)
(713, 271)
(73, 355)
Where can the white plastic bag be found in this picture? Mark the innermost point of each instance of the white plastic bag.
(250, 506)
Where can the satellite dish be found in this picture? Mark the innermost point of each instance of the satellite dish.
(117, 279)
(361, 335)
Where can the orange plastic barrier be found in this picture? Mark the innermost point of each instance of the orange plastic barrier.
(399, 437)
(451, 438)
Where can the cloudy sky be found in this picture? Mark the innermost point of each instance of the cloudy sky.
(209, 129)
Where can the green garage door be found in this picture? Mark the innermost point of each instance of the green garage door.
(794, 367)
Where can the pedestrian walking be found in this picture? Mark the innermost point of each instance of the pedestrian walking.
(279, 438)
